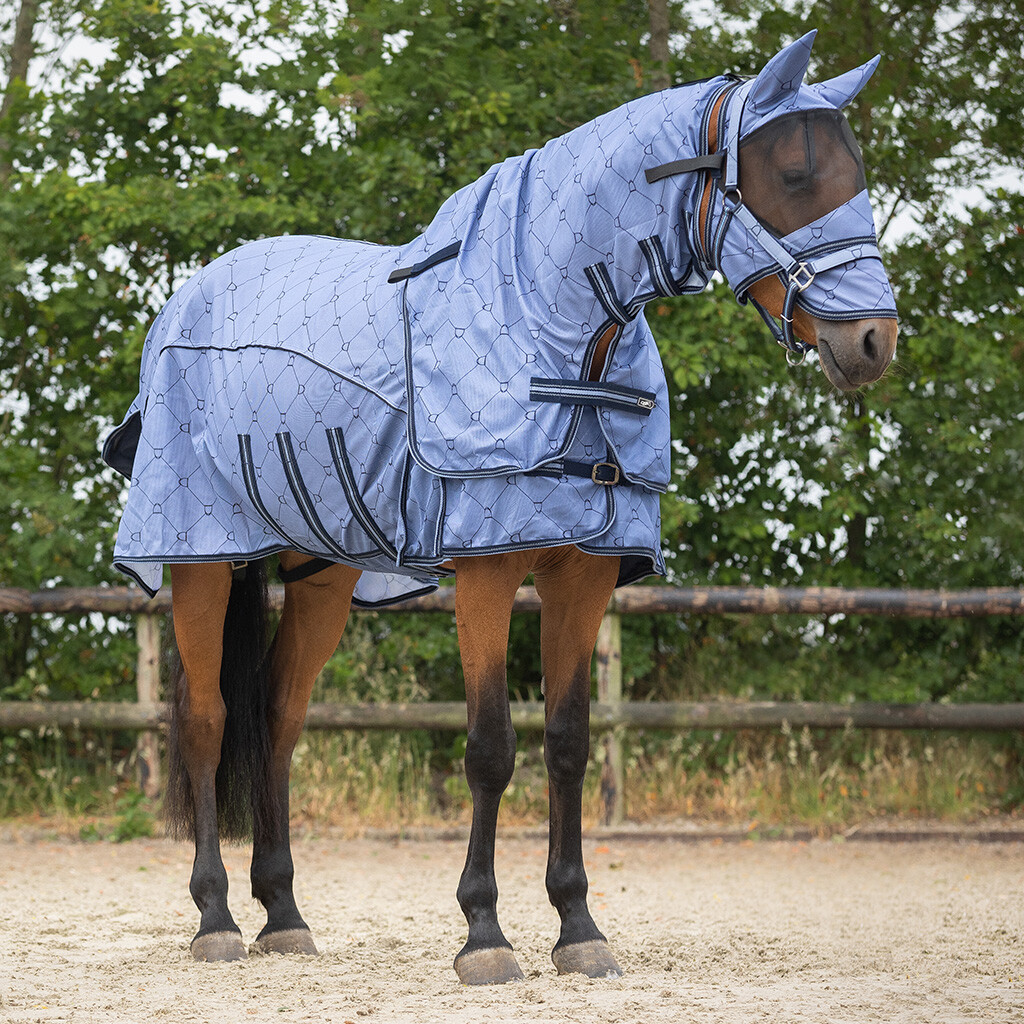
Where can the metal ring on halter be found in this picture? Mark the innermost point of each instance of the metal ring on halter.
(796, 357)
(729, 193)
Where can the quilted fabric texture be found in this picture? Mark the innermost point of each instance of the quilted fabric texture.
(299, 394)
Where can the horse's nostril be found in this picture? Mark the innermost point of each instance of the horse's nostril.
(869, 344)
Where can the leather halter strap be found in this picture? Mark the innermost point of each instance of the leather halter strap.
(712, 130)
(721, 166)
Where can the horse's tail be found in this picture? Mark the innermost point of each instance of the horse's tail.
(245, 798)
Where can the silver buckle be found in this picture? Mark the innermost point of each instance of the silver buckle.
(605, 465)
(795, 279)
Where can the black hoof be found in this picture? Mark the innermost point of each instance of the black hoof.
(290, 942)
(594, 959)
(488, 967)
(218, 946)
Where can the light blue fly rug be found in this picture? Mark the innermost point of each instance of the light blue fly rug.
(391, 407)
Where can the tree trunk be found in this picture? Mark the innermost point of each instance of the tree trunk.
(658, 45)
(23, 49)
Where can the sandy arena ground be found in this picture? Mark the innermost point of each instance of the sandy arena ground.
(707, 932)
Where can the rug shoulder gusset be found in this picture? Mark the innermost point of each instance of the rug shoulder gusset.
(484, 385)
(547, 254)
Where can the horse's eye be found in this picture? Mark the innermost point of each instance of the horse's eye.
(797, 180)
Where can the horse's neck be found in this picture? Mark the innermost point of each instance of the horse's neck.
(605, 199)
(543, 221)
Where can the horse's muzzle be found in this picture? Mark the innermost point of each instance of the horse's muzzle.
(855, 352)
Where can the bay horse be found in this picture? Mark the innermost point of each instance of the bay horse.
(486, 401)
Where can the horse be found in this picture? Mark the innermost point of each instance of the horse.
(486, 402)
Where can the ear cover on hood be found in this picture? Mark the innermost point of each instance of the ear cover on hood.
(778, 88)
(780, 79)
(840, 91)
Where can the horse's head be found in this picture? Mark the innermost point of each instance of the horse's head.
(792, 228)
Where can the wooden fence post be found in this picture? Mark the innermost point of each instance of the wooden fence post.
(147, 681)
(609, 691)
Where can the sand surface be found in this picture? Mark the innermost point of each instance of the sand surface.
(707, 932)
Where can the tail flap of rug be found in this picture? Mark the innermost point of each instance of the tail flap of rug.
(122, 443)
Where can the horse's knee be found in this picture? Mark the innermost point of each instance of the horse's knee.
(567, 745)
(200, 726)
(491, 755)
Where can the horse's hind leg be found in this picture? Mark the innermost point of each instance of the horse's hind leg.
(314, 616)
(574, 589)
(201, 595)
(484, 591)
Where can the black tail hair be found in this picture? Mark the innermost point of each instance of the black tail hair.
(245, 798)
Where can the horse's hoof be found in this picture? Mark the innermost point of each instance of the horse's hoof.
(219, 946)
(594, 959)
(488, 967)
(289, 942)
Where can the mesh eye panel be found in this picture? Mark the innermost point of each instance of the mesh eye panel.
(800, 167)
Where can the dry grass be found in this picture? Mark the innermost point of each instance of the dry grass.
(826, 783)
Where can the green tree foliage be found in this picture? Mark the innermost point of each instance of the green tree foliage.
(152, 135)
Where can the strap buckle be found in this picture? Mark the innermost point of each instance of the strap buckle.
(801, 282)
(605, 473)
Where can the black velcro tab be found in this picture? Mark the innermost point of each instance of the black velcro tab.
(449, 252)
(708, 162)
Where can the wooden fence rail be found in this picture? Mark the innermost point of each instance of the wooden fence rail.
(915, 604)
(528, 716)
(609, 716)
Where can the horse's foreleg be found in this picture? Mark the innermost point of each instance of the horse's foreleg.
(200, 601)
(484, 591)
(574, 589)
(314, 616)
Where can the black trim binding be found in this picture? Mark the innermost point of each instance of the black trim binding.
(427, 588)
(601, 281)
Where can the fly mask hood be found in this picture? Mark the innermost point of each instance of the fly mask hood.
(788, 153)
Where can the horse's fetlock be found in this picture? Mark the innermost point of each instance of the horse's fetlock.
(566, 884)
(271, 878)
(208, 888)
(476, 893)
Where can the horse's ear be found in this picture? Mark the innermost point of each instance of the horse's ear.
(781, 77)
(840, 90)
